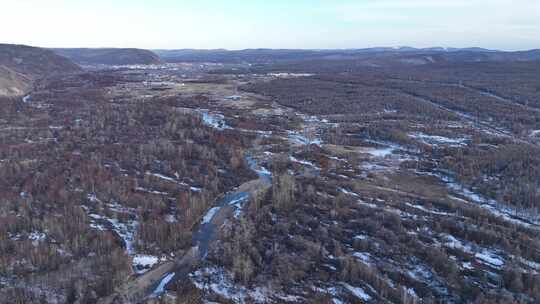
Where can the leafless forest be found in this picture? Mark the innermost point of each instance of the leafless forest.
(273, 177)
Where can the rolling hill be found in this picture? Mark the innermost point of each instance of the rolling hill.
(373, 56)
(20, 65)
(109, 56)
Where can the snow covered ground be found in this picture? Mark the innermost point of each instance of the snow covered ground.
(219, 281)
(434, 140)
(365, 257)
(379, 152)
(535, 133)
(338, 290)
(491, 258)
(487, 256)
(503, 211)
(142, 262)
(422, 208)
(345, 191)
(290, 75)
(301, 139)
(171, 180)
(214, 120)
(151, 191)
(127, 232)
(125, 228)
(357, 292)
(303, 162)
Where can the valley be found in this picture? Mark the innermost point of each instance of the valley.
(312, 181)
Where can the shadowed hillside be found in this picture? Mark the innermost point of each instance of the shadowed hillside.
(381, 56)
(20, 65)
(109, 56)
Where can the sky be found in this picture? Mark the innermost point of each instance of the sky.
(240, 24)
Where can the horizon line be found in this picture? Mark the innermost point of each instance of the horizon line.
(450, 48)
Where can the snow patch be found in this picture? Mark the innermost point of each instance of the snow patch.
(142, 263)
(363, 256)
(508, 213)
(141, 189)
(535, 133)
(297, 138)
(435, 140)
(219, 281)
(214, 120)
(490, 258)
(169, 179)
(380, 152)
(343, 190)
(290, 75)
(126, 232)
(37, 236)
(303, 162)
(357, 292)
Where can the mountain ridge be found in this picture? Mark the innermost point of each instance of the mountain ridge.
(109, 56)
(21, 65)
(473, 54)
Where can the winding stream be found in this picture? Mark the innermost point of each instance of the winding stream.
(206, 232)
